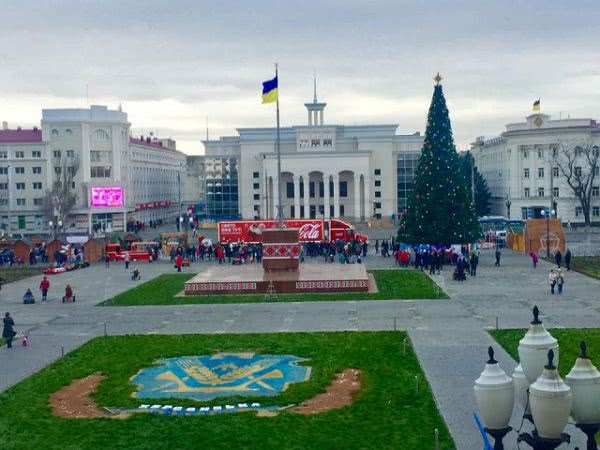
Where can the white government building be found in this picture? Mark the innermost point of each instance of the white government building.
(358, 172)
(518, 167)
(150, 171)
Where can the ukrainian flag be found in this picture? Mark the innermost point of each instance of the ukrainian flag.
(269, 94)
(536, 105)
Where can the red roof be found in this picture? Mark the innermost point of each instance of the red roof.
(34, 135)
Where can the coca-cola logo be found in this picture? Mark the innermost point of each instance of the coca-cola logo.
(310, 232)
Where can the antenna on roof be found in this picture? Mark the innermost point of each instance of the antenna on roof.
(207, 127)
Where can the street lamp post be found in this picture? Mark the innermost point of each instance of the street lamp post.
(54, 226)
(548, 400)
(548, 216)
(508, 203)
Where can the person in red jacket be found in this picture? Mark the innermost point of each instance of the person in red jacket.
(179, 262)
(220, 254)
(44, 286)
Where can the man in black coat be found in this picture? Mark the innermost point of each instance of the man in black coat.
(8, 333)
(558, 258)
(568, 256)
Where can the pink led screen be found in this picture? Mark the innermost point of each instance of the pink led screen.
(103, 197)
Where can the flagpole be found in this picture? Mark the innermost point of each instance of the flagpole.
(279, 193)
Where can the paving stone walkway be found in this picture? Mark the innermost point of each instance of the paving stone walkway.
(448, 336)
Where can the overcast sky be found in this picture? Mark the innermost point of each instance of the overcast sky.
(173, 63)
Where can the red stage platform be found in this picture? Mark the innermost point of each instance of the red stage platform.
(253, 279)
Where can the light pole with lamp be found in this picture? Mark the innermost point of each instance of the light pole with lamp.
(54, 226)
(548, 216)
(507, 202)
(547, 399)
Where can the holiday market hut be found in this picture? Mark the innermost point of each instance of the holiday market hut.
(53, 246)
(93, 250)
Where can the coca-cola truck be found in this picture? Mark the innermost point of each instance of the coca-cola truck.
(309, 230)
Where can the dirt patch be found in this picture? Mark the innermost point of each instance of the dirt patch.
(74, 401)
(339, 393)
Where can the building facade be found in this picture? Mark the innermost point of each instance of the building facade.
(358, 172)
(520, 167)
(116, 178)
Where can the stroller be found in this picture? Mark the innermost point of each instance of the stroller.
(135, 275)
(28, 298)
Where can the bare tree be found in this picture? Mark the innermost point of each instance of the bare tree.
(578, 164)
(62, 195)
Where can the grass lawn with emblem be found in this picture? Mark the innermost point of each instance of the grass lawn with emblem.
(392, 284)
(386, 413)
(568, 339)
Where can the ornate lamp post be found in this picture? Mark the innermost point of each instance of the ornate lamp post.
(533, 348)
(584, 380)
(54, 226)
(507, 202)
(548, 217)
(495, 396)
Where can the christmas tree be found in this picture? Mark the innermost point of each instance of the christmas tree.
(440, 210)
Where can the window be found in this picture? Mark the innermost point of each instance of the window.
(555, 192)
(540, 192)
(37, 185)
(578, 171)
(255, 175)
(595, 191)
(377, 183)
(101, 135)
(54, 132)
(377, 194)
(36, 154)
(540, 172)
(3, 155)
(377, 204)
(38, 201)
(58, 170)
(525, 153)
(597, 171)
(20, 186)
(315, 142)
(21, 202)
(595, 151)
(36, 170)
(343, 189)
(3, 170)
(256, 185)
(377, 171)
(20, 170)
(19, 155)
(71, 171)
(69, 132)
(525, 173)
(540, 153)
(327, 142)
(596, 211)
(526, 193)
(70, 153)
(289, 188)
(554, 152)
(555, 173)
(3, 186)
(256, 196)
(578, 151)
(100, 172)
(99, 156)
(56, 153)
(311, 189)
(3, 202)
(578, 211)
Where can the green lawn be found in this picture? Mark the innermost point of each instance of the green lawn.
(386, 414)
(10, 274)
(392, 284)
(568, 339)
(588, 265)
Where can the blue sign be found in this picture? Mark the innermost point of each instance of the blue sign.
(220, 375)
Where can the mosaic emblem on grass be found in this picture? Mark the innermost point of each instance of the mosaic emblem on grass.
(220, 375)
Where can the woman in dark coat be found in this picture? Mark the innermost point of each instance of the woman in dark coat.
(8, 332)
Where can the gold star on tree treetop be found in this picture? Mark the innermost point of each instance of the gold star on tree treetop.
(437, 78)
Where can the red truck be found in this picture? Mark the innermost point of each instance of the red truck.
(138, 251)
(310, 230)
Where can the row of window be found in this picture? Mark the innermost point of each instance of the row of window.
(555, 172)
(343, 189)
(69, 153)
(556, 192)
(22, 202)
(578, 152)
(21, 170)
(20, 154)
(595, 211)
(21, 186)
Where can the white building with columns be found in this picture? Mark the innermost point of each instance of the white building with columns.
(357, 172)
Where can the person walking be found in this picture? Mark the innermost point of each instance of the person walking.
(377, 246)
(178, 262)
(474, 262)
(498, 255)
(553, 276)
(560, 281)
(107, 261)
(8, 333)
(44, 286)
(558, 258)
(126, 259)
(568, 256)
(534, 259)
